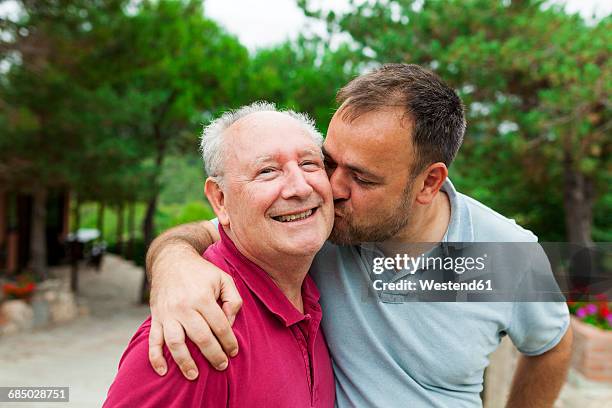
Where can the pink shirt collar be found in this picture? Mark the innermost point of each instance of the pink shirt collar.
(262, 285)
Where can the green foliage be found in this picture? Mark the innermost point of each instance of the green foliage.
(182, 179)
(89, 219)
(602, 215)
(108, 100)
(303, 75)
(65, 123)
(536, 83)
(167, 216)
(181, 200)
(174, 214)
(96, 97)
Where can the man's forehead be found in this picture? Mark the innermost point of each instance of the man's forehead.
(393, 116)
(264, 127)
(269, 136)
(376, 142)
(388, 126)
(262, 120)
(280, 154)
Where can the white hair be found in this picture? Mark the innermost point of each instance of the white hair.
(211, 142)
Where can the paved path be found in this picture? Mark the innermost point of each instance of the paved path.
(84, 353)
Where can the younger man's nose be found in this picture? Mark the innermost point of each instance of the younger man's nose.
(340, 187)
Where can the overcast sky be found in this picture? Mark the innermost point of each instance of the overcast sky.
(259, 23)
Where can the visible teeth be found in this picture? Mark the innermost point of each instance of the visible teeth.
(300, 216)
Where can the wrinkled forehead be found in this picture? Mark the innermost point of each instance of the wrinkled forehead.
(267, 137)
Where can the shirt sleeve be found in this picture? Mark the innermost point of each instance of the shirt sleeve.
(138, 385)
(538, 326)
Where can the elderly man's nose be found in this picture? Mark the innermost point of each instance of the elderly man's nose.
(297, 185)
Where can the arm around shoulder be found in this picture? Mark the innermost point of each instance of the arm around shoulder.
(191, 238)
(184, 292)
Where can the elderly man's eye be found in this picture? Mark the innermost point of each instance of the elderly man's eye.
(310, 165)
(267, 170)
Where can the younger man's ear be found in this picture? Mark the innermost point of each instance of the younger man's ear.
(216, 198)
(433, 179)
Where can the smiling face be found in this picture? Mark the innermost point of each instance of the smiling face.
(369, 162)
(276, 199)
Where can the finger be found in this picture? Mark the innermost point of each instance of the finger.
(220, 327)
(175, 340)
(230, 298)
(156, 343)
(199, 332)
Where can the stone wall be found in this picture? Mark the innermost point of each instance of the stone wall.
(52, 303)
(592, 355)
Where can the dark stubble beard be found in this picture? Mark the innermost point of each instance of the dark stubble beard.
(377, 230)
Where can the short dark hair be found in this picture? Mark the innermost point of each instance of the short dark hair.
(434, 108)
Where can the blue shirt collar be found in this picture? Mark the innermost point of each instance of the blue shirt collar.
(460, 227)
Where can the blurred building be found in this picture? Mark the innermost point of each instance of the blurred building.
(15, 229)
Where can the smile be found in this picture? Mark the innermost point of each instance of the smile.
(295, 217)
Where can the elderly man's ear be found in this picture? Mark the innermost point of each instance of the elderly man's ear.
(216, 198)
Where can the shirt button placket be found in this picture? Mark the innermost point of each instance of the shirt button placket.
(301, 340)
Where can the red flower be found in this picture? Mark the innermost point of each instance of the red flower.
(604, 310)
(9, 288)
(20, 292)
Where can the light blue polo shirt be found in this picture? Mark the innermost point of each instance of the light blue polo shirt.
(417, 354)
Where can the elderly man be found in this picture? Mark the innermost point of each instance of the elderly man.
(387, 152)
(268, 187)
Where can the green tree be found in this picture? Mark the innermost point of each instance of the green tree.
(97, 94)
(183, 65)
(44, 138)
(184, 68)
(303, 75)
(537, 85)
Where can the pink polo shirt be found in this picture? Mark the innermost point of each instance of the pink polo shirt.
(283, 359)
